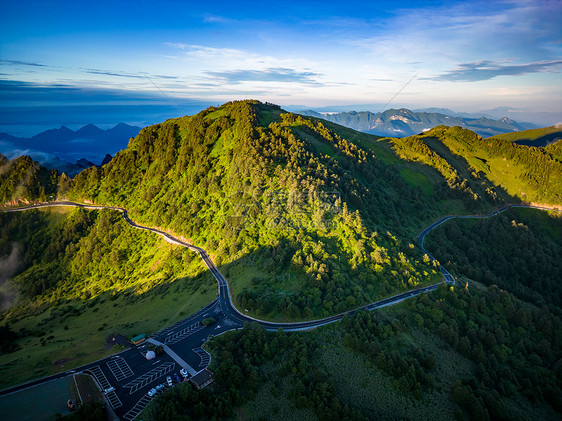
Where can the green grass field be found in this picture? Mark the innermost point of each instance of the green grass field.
(69, 342)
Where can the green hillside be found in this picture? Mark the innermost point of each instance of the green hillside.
(305, 218)
(22, 180)
(303, 222)
(475, 351)
(533, 136)
(79, 276)
(494, 168)
(506, 251)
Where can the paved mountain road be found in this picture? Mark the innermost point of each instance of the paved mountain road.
(224, 296)
(131, 400)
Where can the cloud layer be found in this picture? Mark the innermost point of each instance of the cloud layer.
(301, 53)
(489, 69)
(278, 74)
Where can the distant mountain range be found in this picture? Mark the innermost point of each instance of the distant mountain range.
(404, 122)
(67, 150)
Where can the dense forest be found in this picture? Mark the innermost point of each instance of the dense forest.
(303, 222)
(506, 251)
(79, 254)
(467, 352)
(23, 180)
(475, 353)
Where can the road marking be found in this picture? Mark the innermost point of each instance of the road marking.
(184, 333)
(137, 409)
(100, 377)
(113, 400)
(98, 374)
(204, 355)
(119, 368)
(149, 377)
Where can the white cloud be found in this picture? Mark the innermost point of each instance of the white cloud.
(179, 45)
(216, 19)
(231, 58)
(489, 69)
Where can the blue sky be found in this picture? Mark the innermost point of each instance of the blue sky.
(467, 56)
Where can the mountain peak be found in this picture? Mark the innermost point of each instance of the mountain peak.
(405, 122)
(121, 125)
(89, 130)
(106, 160)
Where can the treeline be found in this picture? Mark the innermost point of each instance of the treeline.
(471, 172)
(540, 172)
(465, 187)
(520, 251)
(80, 254)
(367, 183)
(543, 169)
(23, 180)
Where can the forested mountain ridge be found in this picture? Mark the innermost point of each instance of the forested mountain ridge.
(308, 218)
(23, 180)
(290, 210)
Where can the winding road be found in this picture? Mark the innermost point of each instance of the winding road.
(225, 298)
(188, 335)
(224, 295)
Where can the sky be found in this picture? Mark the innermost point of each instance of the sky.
(76, 62)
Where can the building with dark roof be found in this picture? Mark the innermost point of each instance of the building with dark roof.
(202, 379)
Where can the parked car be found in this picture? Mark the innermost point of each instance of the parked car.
(152, 392)
(177, 378)
(183, 372)
(169, 380)
(159, 387)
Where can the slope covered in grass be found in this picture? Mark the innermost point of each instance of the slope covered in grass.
(493, 168)
(534, 137)
(79, 276)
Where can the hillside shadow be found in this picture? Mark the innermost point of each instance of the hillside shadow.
(479, 184)
(267, 283)
(541, 141)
